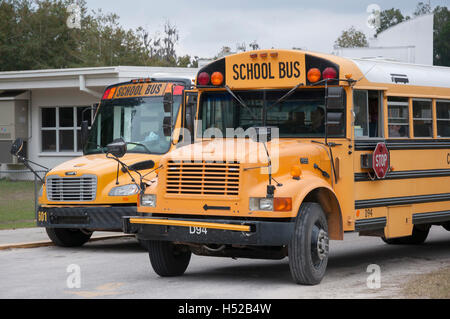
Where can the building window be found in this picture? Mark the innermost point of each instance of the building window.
(443, 118)
(398, 117)
(423, 118)
(61, 128)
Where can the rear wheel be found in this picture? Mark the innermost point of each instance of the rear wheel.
(143, 243)
(309, 246)
(419, 235)
(167, 259)
(65, 237)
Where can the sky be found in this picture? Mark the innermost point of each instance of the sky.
(206, 26)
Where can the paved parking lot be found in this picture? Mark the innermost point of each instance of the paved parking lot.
(120, 268)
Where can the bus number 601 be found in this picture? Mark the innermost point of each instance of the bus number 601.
(42, 217)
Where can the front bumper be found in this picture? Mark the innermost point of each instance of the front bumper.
(210, 231)
(95, 218)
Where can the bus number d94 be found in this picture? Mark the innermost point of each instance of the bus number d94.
(198, 231)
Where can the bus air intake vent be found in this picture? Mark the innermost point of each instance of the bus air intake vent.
(71, 189)
(203, 178)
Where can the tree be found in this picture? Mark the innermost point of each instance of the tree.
(351, 38)
(421, 9)
(34, 34)
(441, 35)
(389, 18)
(254, 45)
(241, 47)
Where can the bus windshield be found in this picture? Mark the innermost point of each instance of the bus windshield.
(135, 120)
(302, 114)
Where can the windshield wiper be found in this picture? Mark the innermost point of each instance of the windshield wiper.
(284, 97)
(241, 102)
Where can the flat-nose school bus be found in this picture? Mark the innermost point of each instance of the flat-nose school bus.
(347, 146)
(92, 192)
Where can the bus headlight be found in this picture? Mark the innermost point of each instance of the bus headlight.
(277, 204)
(125, 190)
(148, 200)
(265, 204)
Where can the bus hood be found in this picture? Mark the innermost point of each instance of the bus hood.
(250, 153)
(97, 164)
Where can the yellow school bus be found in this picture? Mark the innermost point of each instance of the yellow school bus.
(91, 192)
(295, 148)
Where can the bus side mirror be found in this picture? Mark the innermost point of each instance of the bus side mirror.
(84, 133)
(336, 106)
(16, 147)
(167, 126)
(117, 148)
(168, 102)
(335, 98)
(261, 134)
(191, 106)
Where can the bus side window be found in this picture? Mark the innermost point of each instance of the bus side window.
(360, 106)
(423, 118)
(443, 118)
(398, 117)
(368, 110)
(375, 114)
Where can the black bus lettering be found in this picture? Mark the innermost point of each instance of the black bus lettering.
(257, 71)
(250, 71)
(270, 72)
(289, 70)
(282, 70)
(236, 73)
(297, 69)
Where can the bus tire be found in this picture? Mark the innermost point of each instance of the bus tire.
(143, 243)
(418, 237)
(65, 237)
(446, 226)
(309, 246)
(167, 259)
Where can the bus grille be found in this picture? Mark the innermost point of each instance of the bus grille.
(73, 189)
(203, 178)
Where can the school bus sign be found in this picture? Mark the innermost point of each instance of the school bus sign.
(269, 69)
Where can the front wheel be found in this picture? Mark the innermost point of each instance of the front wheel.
(309, 246)
(168, 259)
(64, 237)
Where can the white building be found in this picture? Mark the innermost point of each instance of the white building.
(44, 107)
(410, 41)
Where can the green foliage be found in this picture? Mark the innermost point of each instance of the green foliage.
(34, 34)
(441, 36)
(441, 32)
(389, 18)
(422, 8)
(352, 38)
(16, 204)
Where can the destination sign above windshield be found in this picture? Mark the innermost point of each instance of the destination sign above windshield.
(140, 90)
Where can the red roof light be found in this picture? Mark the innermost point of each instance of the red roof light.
(105, 96)
(329, 73)
(203, 78)
(178, 90)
